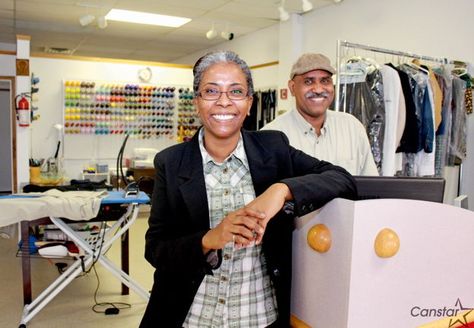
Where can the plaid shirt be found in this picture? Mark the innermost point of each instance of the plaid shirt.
(239, 293)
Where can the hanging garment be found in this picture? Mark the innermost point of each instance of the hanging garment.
(251, 121)
(425, 158)
(409, 141)
(395, 116)
(468, 93)
(268, 107)
(262, 110)
(424, 115)
(457, 141)
(361, 91)
(443, 131)
(437, 97)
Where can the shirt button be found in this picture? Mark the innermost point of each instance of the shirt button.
(226, 257)
(225, 170)
(224, 278)
(222, 301)
(226, 192)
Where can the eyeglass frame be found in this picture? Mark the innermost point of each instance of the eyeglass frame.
(199, 93)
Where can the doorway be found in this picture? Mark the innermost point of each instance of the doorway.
(8, 180)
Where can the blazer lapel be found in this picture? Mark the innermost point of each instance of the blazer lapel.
(260, 163)
(192, 185)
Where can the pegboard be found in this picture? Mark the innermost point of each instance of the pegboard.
(102, 109)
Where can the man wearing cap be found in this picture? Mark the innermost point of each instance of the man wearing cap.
(335, 137)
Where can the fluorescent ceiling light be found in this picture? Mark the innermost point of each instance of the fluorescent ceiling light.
(145, 18)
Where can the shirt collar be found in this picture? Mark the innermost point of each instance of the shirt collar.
(238, 152)
(307, 128)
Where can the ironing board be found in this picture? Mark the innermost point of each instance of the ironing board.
(91, 253)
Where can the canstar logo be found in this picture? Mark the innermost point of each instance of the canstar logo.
(418, 311)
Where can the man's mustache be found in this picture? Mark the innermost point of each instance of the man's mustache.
(316, 95)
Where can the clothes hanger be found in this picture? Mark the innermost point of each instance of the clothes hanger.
(459, 71)
(415, 63)
(460, 68)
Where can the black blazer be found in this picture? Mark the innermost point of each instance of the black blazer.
(179, 218)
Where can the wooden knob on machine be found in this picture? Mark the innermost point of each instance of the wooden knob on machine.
(319, 238)
(387, 243)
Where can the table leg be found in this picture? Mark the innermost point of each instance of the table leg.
(25, 262)
(125, 262)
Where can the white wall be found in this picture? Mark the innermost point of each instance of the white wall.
(265, 77)
(436, 28)
(257, 48)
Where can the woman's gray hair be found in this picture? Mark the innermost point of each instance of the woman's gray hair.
(212, 58)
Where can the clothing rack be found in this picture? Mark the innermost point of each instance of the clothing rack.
(346, 44)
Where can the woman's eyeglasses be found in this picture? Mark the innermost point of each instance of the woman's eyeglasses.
(215, 94)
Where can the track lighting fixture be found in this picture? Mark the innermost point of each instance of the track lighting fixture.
(284, 16)
(307, 6)
(226, 34)
(88, 19)
(102, 22)
(212, 33)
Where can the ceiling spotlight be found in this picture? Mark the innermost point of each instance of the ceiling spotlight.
(212, 33)
(337, 1)
(86, 19)
(227, 35)
(284, 16)
(102, 22)
(307, 6)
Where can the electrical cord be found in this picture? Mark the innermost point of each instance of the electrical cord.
(119, 164)
(61, 266)
(112, 307)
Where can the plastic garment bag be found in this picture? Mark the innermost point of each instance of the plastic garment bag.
(457, 141)
(361, 94)
(419, 83)
(443, 132)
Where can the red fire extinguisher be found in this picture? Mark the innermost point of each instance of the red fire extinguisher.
(23, 110)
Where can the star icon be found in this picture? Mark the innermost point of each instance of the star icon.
(462, 321)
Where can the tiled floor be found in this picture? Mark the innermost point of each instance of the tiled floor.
(72, 307)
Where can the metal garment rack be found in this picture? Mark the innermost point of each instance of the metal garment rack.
(346, 44)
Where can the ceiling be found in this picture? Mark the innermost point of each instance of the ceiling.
(55, 24)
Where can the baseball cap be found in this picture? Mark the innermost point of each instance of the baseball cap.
(310, 62)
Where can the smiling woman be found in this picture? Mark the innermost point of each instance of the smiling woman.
(218, 260)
